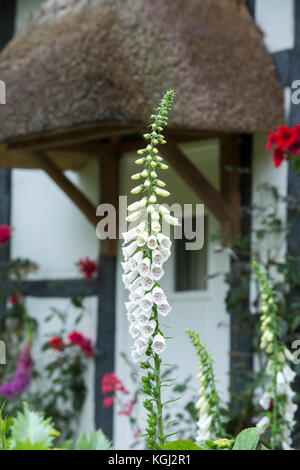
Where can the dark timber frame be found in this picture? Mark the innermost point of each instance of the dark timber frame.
(7, 26)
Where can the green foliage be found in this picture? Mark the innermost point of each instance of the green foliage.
(97, 441)
(207, 370)
(247, 439)
(30, 431)
(181, 445)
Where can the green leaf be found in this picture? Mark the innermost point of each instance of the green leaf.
(97, 441)
(31, 430)
(248, 439)
(181, 445)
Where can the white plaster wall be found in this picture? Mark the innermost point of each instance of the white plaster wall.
(51, 231)
(276, 20)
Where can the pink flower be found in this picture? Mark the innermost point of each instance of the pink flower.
(127, 408)
(111, 383)
(108, 401)
(5, 234)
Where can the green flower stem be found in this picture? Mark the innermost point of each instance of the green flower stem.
(159, 405)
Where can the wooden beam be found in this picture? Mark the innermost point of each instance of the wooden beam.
(109, 193)
(82, 202)
(105, 343)
(57, 287)
(230, 179)
(194, 178)
(105, 360)
(72, 136)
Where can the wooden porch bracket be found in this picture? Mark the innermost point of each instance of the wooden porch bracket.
(202, 187)
(43, 162)
(230, 178)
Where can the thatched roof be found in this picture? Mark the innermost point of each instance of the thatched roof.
(111, 60)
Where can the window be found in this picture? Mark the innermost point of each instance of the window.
(190, 265)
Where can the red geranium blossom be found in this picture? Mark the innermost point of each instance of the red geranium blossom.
(112, 383)
(284, 141)
(5, 234)
(56, 343)
(84, 343)
(88, 267)
(108, 401)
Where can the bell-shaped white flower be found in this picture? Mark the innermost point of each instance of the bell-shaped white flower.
(142, 239)
(163, 210)
(143, 316)
(135, 284)
(147, 283)
(134, 216)
(135, 260)
(158, 344)
(130, 306)
(152, 242)
(136, 355)
(155, 227)
(157, 258)
(141, 344)
(288, 373)
(125, 266)
(146, 302)
(137, 189)
(164, 241)
(158, 295)
(170, 219)
(147, 329)
(129, 250)
(166, 253)
(264, 421)
(129, 278)
(137, 205)
(265, 401)
(156, 273)
(137, 295)
(130, 235)
(133, 330)
(144, 267)
(164, 308)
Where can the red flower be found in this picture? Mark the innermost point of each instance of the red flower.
(88, 267)
(84, 343)
(111, 383)
(56, 343)
(285, 136)
(5, 234)
(14, 299)
(271, 141)
(278, 156)
(286, 141)
(128, 408)
(108, 401)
